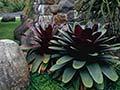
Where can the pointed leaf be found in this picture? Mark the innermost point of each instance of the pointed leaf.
(43, 67)
(68, 74)
(78, 64)
(86, 78)
(46, 58)
(30, 57)
(109, 72)
(62, 42)
(65, 34)
(111, 49)
(54, 42)
(103, 31)
(76, 83)
(100, 86)
(64, 59)
(96, 73)
(55, 55)
(109, 39)
(36, 63)
(57, 48)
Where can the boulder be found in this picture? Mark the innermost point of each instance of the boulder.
(66, 5)
(8, 18)
(13, 67)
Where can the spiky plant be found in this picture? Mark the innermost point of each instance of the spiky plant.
(39, 55)
(83, 55)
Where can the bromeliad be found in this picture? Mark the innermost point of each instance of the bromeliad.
(83, 55)
(39, 55)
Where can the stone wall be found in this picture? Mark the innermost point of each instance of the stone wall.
(54, 10)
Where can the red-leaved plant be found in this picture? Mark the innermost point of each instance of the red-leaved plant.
(39, 54)
(83, 55)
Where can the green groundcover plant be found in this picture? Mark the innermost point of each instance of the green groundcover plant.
(44, 82)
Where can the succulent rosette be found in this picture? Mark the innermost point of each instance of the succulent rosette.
(39, 55)
(84, 55)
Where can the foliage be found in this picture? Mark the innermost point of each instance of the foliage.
(103, 11)
(84, 55)
(39, 54)
(28, 9)
(12, 5)
(44, 82)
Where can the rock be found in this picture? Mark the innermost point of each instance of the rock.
(27, 39)
(21, 29)
(70, 15)
(13, 67)
(8, 19)
(66, 5)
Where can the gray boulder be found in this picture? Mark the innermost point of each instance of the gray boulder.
(66, 5)
(13, 67)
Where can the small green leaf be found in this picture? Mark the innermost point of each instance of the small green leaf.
(64, 59)
(56, 67)
(68, 74)
(46, 58)
(54, 42)
(57, 48)
(76, 83)
(30, 56)
(116, 45)
(66, 35)
(96, 73)
(94, 54)
(36, 63)
(109, 39)
(55, 56)
(103, 31)
(62, 42)
(112, 49)
(86, 78)
(109, 72)
(78, 64)
(99, 86)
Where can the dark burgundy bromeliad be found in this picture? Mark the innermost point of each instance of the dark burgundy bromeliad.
(84, 53)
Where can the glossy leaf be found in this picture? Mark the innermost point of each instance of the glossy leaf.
(46, 58)
(54, 42)
(86, 78)
(96, 73)
(78, 64)
(64, 59)
(36, 63)
(65, 34)
(109, 72)
(56, 67)
(57, 48)
(100, 86)
(68, 74)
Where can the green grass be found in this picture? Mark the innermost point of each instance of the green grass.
(7, 28)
